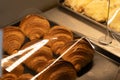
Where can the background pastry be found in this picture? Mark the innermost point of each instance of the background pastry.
(97, 10)
(77, 5)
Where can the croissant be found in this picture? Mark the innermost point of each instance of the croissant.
(34, 26)
(13, 38)
(39, 59)
(58, 36)
(9, 76)
(80, 55)
(61, 70)
(26, 76)
(18, 70)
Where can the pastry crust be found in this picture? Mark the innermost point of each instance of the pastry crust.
(97, 10)
(13, 38)
(77, 5)
(59, 71)
(34, 26)
(80, 55)
(58, 36)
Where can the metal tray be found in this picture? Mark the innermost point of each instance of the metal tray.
(114, 34)
(102, 24)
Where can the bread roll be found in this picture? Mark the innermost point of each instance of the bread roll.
(34, 26)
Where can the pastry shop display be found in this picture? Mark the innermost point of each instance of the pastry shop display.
(33, 29)
(58, 36)
(34, 26)
(13, 38)
(61, 70)
(80, 55)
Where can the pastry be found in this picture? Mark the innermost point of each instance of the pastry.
(9, 76)
(13, 38)
(26, 76)
(97, 10)
(77, 5)
(80, 55)
(39, 59)
(58, 36)
(61, 70)
(34, 26)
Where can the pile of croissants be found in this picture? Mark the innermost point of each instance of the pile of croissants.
(34, 28)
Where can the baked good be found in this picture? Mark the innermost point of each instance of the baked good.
(39, 59)
(34, 26)
(80, 55)
(18, 70)
(77, 5)
(9, 76)
(13, 38)
(61, 70)
(115, 24)
(26, 76)
(43, 51)
(58, 36)
(97, 10)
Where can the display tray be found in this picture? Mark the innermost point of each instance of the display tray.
(94, 70)
(103, 25)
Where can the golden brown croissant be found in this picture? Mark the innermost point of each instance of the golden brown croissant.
(34, 26)
(58, 36)
(26, 76)
(17, 71)
(61, 70)
(13, 38)
(39, 59)
(9, 76)
(80, 55)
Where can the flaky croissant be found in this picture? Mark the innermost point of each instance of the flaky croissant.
(80, 55)
(39, 59)
(58, 36)
(26, 76)
(61, 70)
(13, 38)
(34, 26)
(9, 76)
